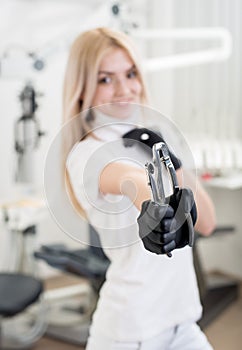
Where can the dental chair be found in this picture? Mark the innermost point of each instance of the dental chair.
(17, 293)
(217, 291)
(91, 264)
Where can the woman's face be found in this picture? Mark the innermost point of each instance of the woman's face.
(118, 83)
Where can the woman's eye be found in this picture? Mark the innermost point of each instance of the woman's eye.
(104, 80)
(132, 74)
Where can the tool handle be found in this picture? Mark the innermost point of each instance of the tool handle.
(191, 232)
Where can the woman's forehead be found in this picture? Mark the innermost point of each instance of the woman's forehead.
(115, 60)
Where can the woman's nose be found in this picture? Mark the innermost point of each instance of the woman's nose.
(122, 87)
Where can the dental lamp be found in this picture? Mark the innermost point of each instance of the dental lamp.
(220, 52)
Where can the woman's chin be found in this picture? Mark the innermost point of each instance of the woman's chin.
(120, 110)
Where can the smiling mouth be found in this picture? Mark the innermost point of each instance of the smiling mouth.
(123, 101)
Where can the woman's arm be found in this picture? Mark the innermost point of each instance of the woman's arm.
(205, 209)
(120, 178)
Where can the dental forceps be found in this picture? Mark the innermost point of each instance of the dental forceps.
(155, 181)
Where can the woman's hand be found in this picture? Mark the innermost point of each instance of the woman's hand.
(164, 228)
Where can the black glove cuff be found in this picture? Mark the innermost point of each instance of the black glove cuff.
(148, 138)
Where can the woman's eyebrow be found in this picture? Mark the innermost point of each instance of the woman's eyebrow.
(105, 72)
(110, 73)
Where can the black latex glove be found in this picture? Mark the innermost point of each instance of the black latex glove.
(144, 135)
(183, 204)
(163, 228)
(148, 138)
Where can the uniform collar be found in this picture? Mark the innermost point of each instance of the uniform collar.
(109, 128)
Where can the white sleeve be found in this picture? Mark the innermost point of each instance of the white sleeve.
(107, 213)
(84, 166)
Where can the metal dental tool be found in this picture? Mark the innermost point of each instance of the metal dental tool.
(155, 180)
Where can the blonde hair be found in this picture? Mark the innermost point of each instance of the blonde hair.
(80, 82)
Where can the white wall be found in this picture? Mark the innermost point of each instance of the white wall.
(160, 83)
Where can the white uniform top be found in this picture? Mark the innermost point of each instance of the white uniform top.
(144, 293)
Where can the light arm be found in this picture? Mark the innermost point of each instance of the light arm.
(205, 209)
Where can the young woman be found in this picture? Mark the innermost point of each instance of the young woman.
(148, 301)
